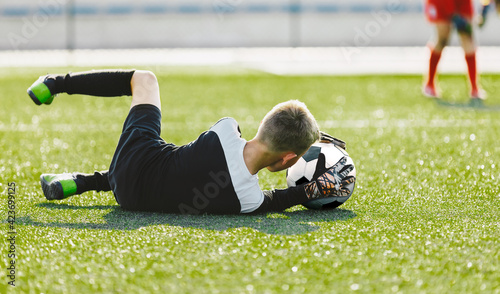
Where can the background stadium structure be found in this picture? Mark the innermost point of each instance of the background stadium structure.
(79, 24)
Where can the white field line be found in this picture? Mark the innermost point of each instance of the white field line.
(281, 61)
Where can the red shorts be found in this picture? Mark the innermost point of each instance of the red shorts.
(443, 10)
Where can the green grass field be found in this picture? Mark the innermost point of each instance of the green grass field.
(424, 217)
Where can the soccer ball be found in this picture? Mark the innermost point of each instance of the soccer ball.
(303, 172)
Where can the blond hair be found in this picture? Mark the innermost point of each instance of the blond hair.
(289, 126)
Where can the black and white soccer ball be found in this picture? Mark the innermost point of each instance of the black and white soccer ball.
(303, 172)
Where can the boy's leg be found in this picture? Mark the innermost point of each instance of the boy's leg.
(443, 33)
(61, 186)
(469, 47)
(106, 83)
(142, 85)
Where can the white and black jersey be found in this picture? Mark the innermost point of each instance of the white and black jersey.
(208, 175)
(246, 186)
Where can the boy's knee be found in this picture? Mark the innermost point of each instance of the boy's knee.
(442, 42)
(145, 88)
(149, 75)
(144, 77)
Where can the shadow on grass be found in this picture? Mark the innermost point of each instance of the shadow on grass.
(281, 223)
(474, 104)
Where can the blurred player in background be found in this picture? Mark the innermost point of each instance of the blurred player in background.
(486, 4)
(446, 14)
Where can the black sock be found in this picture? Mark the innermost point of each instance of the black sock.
(106, 83)
(92, 182)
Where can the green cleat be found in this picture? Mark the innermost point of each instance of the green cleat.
(40, 91)
(57, 187)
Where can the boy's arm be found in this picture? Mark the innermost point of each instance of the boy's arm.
(330, 183)
(485, 7)
(281, 199)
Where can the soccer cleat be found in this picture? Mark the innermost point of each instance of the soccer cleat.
(40, 92)
(57, 187)
(478, 94)
(430, 91)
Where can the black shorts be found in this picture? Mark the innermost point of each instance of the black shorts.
(133, 163)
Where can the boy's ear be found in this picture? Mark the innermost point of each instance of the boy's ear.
(288, 156)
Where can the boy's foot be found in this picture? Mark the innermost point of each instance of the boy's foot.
(40, 91)
(478, 94)
(430, 91)
(57, 187)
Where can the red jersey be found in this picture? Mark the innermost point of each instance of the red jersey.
(443, 10)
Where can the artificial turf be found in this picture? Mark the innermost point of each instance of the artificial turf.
(424, 217)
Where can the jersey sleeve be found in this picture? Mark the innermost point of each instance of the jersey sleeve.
(281, 199)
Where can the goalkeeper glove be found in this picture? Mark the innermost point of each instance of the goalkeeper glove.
(327, 138)
(331, 182)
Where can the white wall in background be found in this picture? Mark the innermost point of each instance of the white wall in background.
(43, 24)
